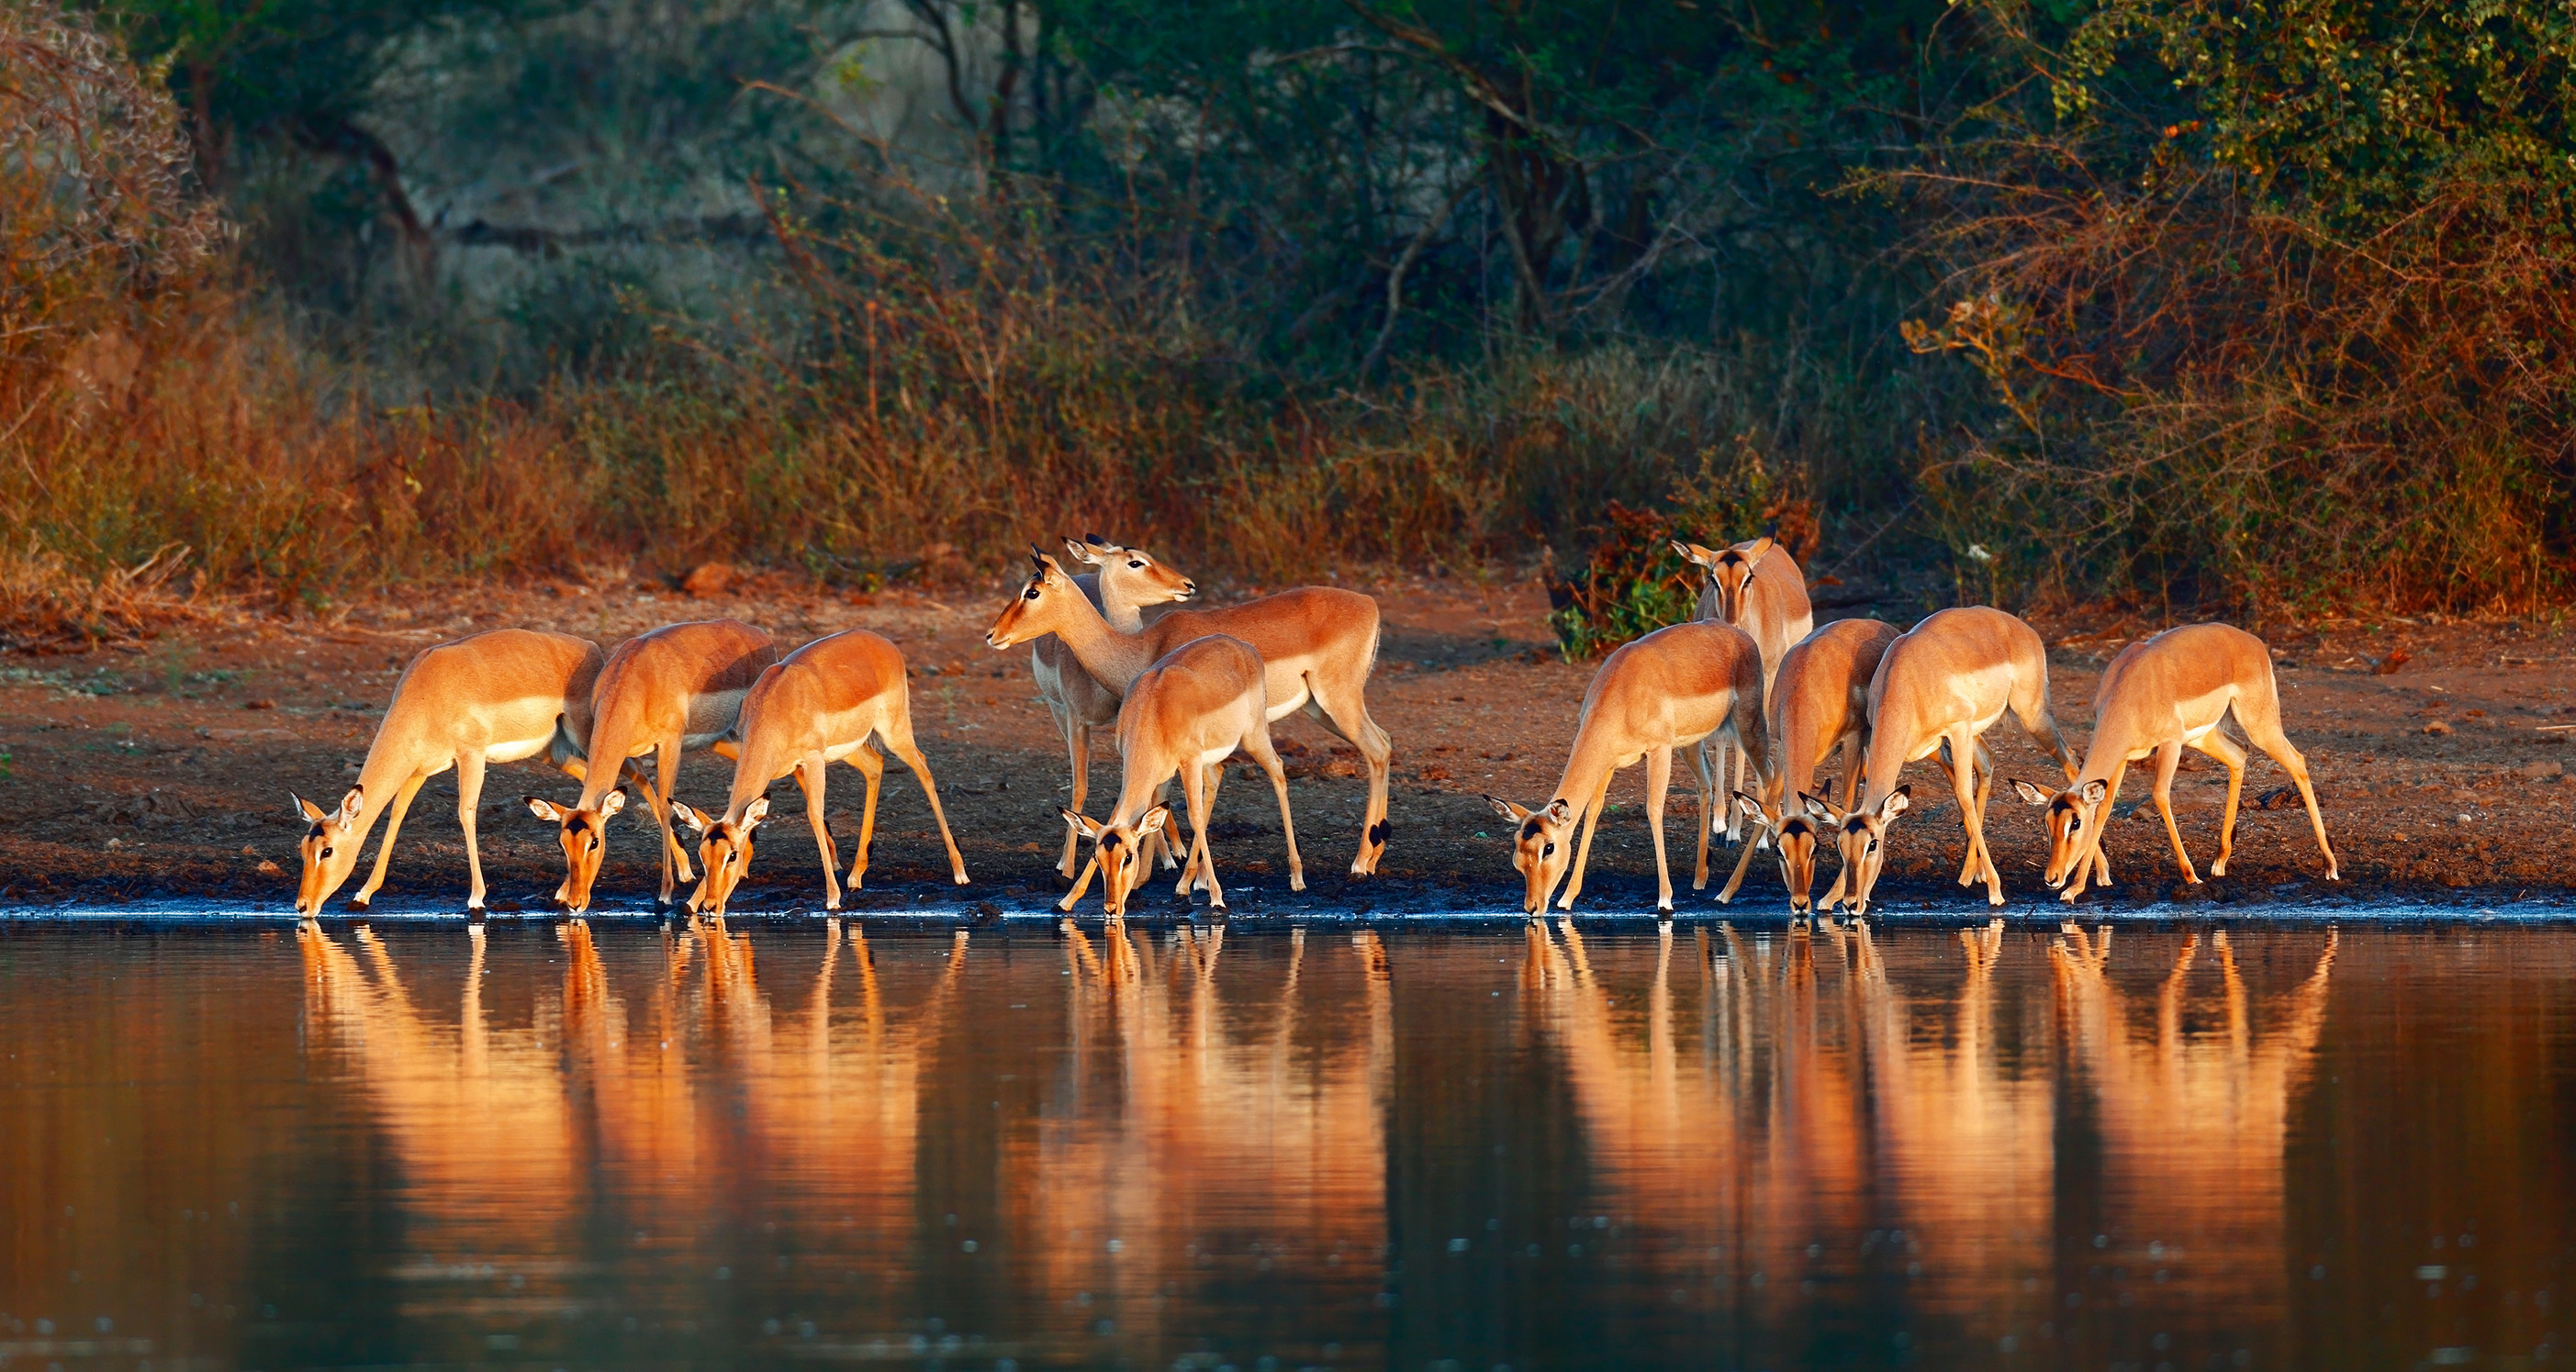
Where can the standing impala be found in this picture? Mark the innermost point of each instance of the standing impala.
(1186, 714)
(1668, 690)
(1757, 587)
(820, 705)
(1129, 580)
(2160, 697)
(1317, 646)
(493, 697)
(1818, 702)
(1946, 681)
(677, 687)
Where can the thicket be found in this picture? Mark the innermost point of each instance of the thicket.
(2173, 302)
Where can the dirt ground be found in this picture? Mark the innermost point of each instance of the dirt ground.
(163, 771)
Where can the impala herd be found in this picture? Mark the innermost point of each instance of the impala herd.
(1752, 679)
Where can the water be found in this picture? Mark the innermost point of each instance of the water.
(634, 1145)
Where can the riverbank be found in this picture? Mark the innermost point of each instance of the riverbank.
(160, 775)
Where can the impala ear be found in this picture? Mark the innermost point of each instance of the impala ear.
(611, 803)
(755, 812)
(1692, 552)
(310, 812)
(2094, 791)
(1897, 803)
(1081, 551)
(347, 815)
(2030, 794)
(1080, 823)
(1752, 807)
(1819, 808)
(1758, 549)
(546, 810)
(1558, 811)
(1154, 820)
(700, 820)
(1507, 810)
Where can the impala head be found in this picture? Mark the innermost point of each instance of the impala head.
(1798, 835)
(724, 852)
(1728, 571)
(584, 836)
(1034, 612)
(330, 849)
(1542, 847)
(1138, 578)
(2074, 818)
(1118, 847)
(1864, 843)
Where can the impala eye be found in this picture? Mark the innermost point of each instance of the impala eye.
(1548, 851)
(1137, 565)
(1873, 846)
(326, 852)
(1033, 593)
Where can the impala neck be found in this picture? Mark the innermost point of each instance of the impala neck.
(1114, 658)
(1586, 768)
(1121, 614)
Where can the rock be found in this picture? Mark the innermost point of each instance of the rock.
(2542, 771)
(259, 704)
(270, 869)
(707, 579)
(2437, 727)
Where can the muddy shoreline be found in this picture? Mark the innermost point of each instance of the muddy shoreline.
(159, 775)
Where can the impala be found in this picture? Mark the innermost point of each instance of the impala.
(1185, 714)
(1757, 587)
(819, 705)
(494, 697)
(676, 687)
(1317, 646)
(1129, 580)
(1819, 702)
(1671, 689)
(1946, 681)
(2160, 697)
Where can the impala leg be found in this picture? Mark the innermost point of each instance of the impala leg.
(1708, 794)
(1735, 879)
(1257, 743)
(675, 862)
(811, 778)
(1963, 783)
(1081, 884)
(898, 740)
(393, 825)
(1744, 772)
(2260, 717)
(1659, 779)
(1202, 864)
(2095, 857)
(1342, 707)
(1583, 851)
(2166, 759)
(872, 769)
(1077, 746)
(1855, 748)
(2223, 748)
(469, 796)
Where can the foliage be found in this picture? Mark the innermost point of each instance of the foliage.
(1633, 583)
(2271, 301)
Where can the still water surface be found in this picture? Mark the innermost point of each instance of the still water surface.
(636, 1146)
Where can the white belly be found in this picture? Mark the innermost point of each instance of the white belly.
(518, 749)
